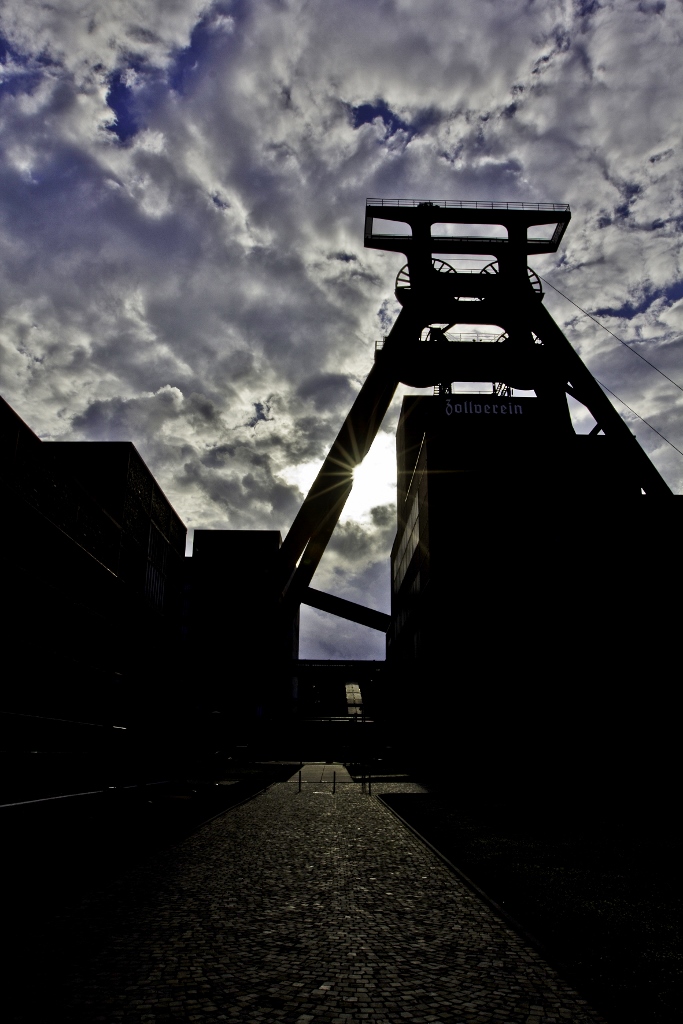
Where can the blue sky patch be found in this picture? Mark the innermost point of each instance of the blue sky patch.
(25, 78)
(672, 294)
(261, 411)
(121, 100)
(367, 112)
(188, 61)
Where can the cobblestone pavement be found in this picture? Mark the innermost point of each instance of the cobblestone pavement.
(310, 907)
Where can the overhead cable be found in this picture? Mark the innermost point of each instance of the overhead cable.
(620, 340)
(641, 418)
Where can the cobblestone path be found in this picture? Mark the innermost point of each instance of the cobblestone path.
(310, 907)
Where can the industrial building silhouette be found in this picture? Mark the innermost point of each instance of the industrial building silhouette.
(127, 663)
(512, 642)
(93, 570)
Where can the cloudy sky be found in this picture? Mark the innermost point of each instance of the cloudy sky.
(181, 225)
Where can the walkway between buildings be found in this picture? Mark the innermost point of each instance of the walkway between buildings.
(302, 908)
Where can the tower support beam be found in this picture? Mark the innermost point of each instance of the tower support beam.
(346, 609)
(432, 293)
(587, 390)
(325, 501)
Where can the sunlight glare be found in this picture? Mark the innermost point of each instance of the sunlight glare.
(374, 481)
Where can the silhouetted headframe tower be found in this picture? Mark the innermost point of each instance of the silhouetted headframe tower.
(533, 354)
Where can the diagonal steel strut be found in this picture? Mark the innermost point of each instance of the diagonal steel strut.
(589, 392)
(320, 511)
(314, 524)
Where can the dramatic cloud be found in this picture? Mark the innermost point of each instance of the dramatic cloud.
(181, 208)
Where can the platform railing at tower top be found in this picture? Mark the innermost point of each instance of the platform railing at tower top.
(488, 339)
(468, 204)
(509, 297)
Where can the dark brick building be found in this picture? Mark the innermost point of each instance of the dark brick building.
(530, 612)
(237, 643)
(92, 563)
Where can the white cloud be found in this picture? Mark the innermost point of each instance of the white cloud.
(87, 37)
(673, 315)
(200, 285)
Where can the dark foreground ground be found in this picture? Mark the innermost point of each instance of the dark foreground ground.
(598, 891)
(302, 906)
(55, 853)
(598, 888)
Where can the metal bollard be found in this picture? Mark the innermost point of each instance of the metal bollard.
(299, 781)
(334, 782)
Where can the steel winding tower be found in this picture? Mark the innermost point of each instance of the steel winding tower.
(534, 353)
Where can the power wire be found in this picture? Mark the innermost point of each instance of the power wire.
(641, 418)
(620, 340)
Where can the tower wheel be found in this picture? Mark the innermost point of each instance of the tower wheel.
(403, 276)
(534, 280)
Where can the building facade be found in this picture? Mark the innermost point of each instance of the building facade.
(521, 552)
(239, 648)
(92, 560)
